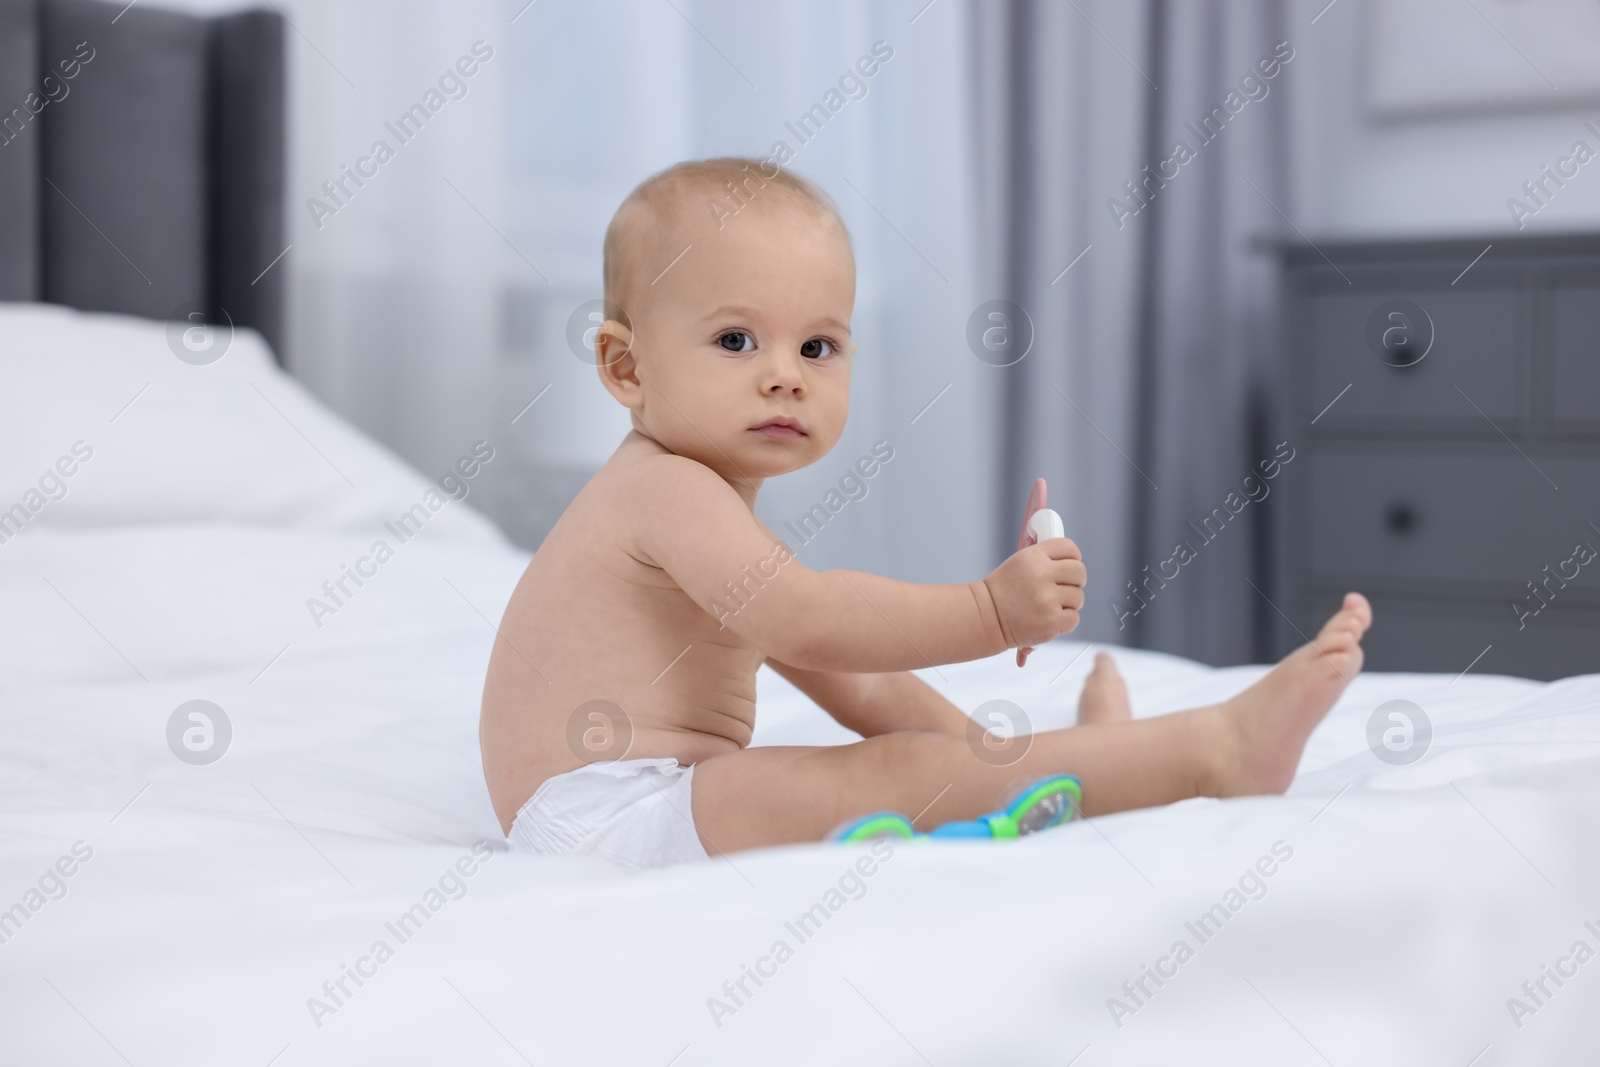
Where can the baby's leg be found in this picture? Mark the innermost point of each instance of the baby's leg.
(770, 796)
(1248, 744)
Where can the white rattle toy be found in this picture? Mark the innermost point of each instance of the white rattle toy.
(1039, 523)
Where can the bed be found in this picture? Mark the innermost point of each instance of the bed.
(179, 909)
(237, 828)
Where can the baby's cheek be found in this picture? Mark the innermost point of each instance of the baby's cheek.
(830, 436)
(838, 406)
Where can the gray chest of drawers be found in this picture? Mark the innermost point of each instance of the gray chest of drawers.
(1447, 422)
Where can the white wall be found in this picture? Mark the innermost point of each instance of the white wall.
(1358, 175)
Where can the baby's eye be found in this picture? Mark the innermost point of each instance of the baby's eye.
(737, 341)
(817, 348)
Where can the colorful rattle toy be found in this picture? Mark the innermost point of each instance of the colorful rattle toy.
(1046, 803)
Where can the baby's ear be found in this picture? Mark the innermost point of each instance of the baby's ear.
(619, 369)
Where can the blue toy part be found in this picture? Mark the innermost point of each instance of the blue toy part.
(965, 828)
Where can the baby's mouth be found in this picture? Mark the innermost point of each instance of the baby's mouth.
(782, 427)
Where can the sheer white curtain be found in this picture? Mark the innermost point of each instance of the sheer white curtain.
(396, 275)
(435, 305)
(430, 304)
(604, 94)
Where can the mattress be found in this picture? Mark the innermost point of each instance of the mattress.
(333, 888)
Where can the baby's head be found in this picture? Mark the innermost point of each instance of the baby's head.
(730, 285)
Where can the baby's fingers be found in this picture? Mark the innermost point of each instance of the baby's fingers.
(1061, 548)
(1069, 572)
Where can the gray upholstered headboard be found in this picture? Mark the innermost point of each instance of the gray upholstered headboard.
(142, 160)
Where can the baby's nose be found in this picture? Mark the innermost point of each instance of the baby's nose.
(785, 376)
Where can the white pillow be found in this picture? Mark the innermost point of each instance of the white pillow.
(101, 424)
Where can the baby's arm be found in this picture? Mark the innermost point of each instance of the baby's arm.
(875, 704)
(691, 523)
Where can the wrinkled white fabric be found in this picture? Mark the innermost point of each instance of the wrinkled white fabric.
(634, 813)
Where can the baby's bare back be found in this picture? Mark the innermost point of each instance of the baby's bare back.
(591, 621)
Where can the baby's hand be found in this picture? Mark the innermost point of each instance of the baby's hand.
(1038, 591)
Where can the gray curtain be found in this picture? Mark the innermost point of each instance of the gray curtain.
(1146, 400)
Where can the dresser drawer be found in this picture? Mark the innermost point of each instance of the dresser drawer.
(1476, 344)
(1474, 517)
(1575, 311)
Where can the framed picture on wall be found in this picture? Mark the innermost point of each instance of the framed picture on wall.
(1429, 57)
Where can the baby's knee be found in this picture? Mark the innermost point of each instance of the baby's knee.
(915, 748)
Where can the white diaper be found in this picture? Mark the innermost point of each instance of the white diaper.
(634, 813)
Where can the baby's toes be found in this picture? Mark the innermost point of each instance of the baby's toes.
(1338, 639)
(1105, 669)
(1350, 622)
(1359, 608)
(1342, 649)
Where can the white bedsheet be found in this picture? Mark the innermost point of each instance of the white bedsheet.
(218, 899)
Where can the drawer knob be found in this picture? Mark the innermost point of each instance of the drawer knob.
(1400, 332)
(1403, 351)
(1401, 519)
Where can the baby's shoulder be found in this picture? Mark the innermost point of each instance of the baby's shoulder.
(664, 481)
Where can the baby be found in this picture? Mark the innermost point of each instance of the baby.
(620, 697)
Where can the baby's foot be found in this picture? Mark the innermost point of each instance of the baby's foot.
(1263, 730)
(1105, 694)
